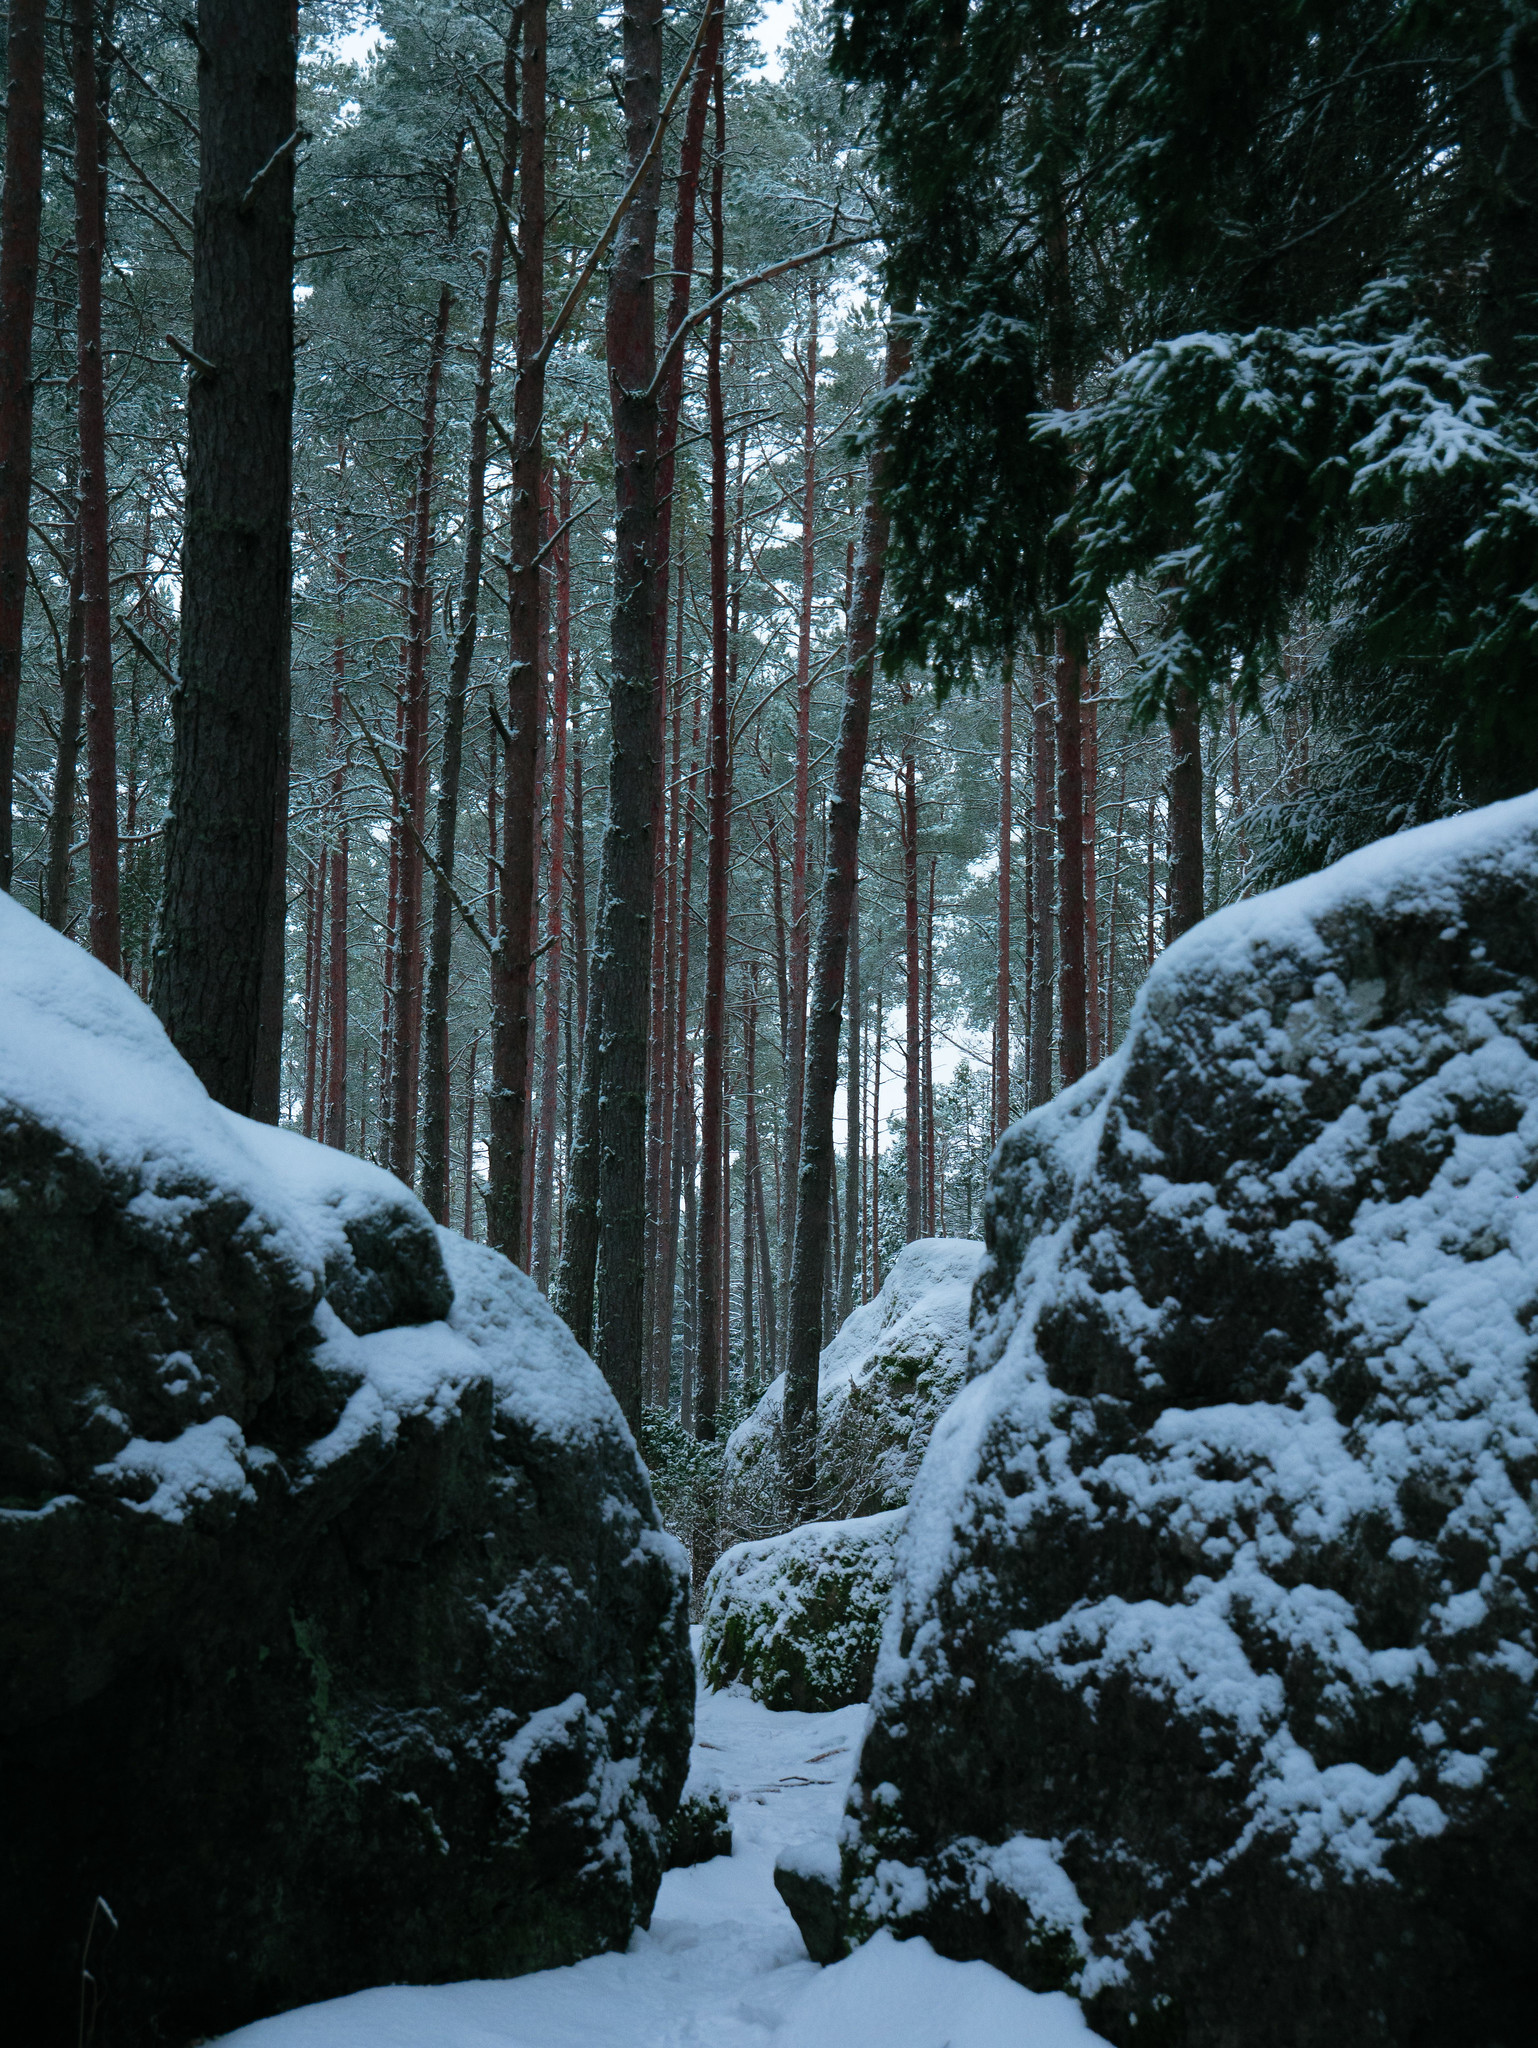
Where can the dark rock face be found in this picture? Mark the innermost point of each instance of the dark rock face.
(1210, 1690)
(339, 1640)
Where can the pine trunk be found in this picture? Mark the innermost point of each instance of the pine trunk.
(411, 823)
(1006, 866)
(623, 954)
(913, 1141)
(512, 963)
(19, 234)
(854, 1125)
(1090, 755)
(1042, 893)
(223, 846)
(813, 1190)
(708, 1359)
(435, 1126)
(544, 1179)
(95, 565)
(61, 816)
(1186, 886)
(1071, 1048)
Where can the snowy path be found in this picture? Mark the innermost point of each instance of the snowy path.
(722, 1965)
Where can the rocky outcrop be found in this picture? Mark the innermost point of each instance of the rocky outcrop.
(797, 1618)
(884, 1381)
(339, 1640)
(1209, 1686)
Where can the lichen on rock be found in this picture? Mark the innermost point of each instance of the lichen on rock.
(797, 1618)
(340, 1642)
(1208, 1690)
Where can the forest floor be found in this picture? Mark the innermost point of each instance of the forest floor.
(721, 1965)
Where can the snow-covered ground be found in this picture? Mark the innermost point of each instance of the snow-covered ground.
(722, 1965)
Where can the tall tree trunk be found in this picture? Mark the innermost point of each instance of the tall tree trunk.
(1090, 756)
(929, 1065)
(334, 1116)
(411, 823)
(800, 928)
(1042, 893)
(61, 817)
(544, 1181)
(1006, 867)
(541, 785)
(435, 1132)
(512, 964)
(749, 1160)
(708, 1360)
(875, 1140)
(1153, 827)
(623, 954)
(469, 1138)
(578, 851)
(667, 1177)
(913, 1142)
(19, 229)
(222, 841)
(95, 565)
(854, 1125)
(1070, 864)
(1185, 877)
(314, 956)
(683, 1076)
(575, 1277)
(659, 1065)
(1108, 1004)
(803, 1341)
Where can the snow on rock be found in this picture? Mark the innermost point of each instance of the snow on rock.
(721, 1964)
(883, 1382)
(339, 1639)
(1208, 1689)
(798, 1617)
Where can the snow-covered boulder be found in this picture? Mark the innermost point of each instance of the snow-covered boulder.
(797, 1618)
(1208, 1689)
(339, 1639)
(883, 1382)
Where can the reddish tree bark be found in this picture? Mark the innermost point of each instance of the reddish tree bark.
(929, 1068)
(1108, 1005)
(667, 1183)
(1186, 879)
(19, 228)
(512, 963)
(623, 954)
(555, 904)
(435, 1127)
(1090, 754)
(314, 985)
(1006, 868)
(913, 1141)
(708, 1361)
(803, 1339)
(334, 1118)
(411, 823)
(1042, 892)
(1071, 1048)
(800, 929)
(95, 566)
(61, 817)
(854, 1119)
(682, 1153)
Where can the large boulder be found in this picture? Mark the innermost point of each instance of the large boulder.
(883, 1383)
(339, 1639)
(797, 1618)
(1209, 1689)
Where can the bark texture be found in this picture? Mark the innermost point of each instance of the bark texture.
(230, 743)
(814, 1181)
(19, 226)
